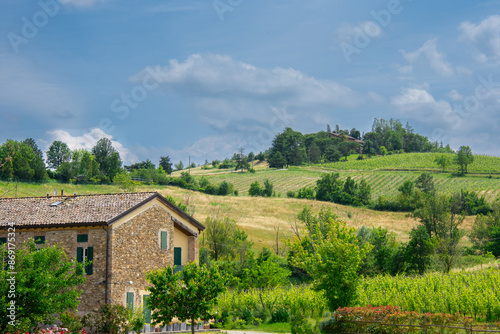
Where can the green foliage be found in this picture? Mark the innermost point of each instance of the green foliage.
(269, 304)
(19, 161)
(113, 319)
(442, 161)
(425, 182)
(331, 254)
(306, 192)
(46, 284)
(137, 320)
(188, 296)
(166, 164)
(277, 160)
(257, 190)
(179, 166)
(330, 188)
(58, 153)
(125, 182)
(485, 231)
(107, 157)
(223, 239)
(472, 293)
(464, 158)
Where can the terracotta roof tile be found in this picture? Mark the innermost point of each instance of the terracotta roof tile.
(84, 209)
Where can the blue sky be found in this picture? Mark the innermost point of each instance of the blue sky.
(202, 78)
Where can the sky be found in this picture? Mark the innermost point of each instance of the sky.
(198, 79)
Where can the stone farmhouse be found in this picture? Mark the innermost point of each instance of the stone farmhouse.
(123, 235)
(349, 139)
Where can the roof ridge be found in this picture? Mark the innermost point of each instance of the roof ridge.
(72, 195)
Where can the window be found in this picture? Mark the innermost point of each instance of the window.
(164, 239)
(178, 259)
(130, 300)
(39, 239)
(147, 309)
(82, 238)
(85, 256)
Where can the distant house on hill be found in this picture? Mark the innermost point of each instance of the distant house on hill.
(124, 235)
(349, 139)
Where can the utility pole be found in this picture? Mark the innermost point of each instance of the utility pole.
(189, 165)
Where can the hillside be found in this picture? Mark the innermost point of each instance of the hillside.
(384, 174)
(257, 216)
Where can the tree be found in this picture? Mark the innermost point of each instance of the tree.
(425, 182)
(46, 283)
(18, 161)
(264, 275)
(222, 237)
(125, 182)
(255, 189)
(464, 158)
(346, 148)
(442, 161)
(332, 153)
(314, 153)
(179, 166)
(277, 160)
(419, 250)
(32, 143)
(58, 153)
(241, 160)
(107, 157)
(331, 254)
(191, 295)
(268, 188)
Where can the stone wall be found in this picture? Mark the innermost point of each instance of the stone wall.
(93, 289)
(136, 250)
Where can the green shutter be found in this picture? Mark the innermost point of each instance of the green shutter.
(3, 241)
(147, 309)
(164, 240)
(79, 257)
(130, 300)
(39, 240)
(177, 256)
(82, 238)
(90, 257)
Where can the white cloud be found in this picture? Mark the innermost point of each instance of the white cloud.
(484, 36)
(412, 96)
(455, 96)
(39, 94)
(228, 93)
(87, 141)
(429, 54)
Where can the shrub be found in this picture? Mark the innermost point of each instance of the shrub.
(255, 189)
(290, 194)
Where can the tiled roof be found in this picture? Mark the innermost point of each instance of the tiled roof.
(72, 210)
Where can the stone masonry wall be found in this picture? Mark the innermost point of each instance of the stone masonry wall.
(93, 289)
(136, 249)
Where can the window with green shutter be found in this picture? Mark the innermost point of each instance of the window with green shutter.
(130, 300)
(82, 238)
(177, 256)
(147, 309)
(86, 256)
(89, 267)
(164, 240)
